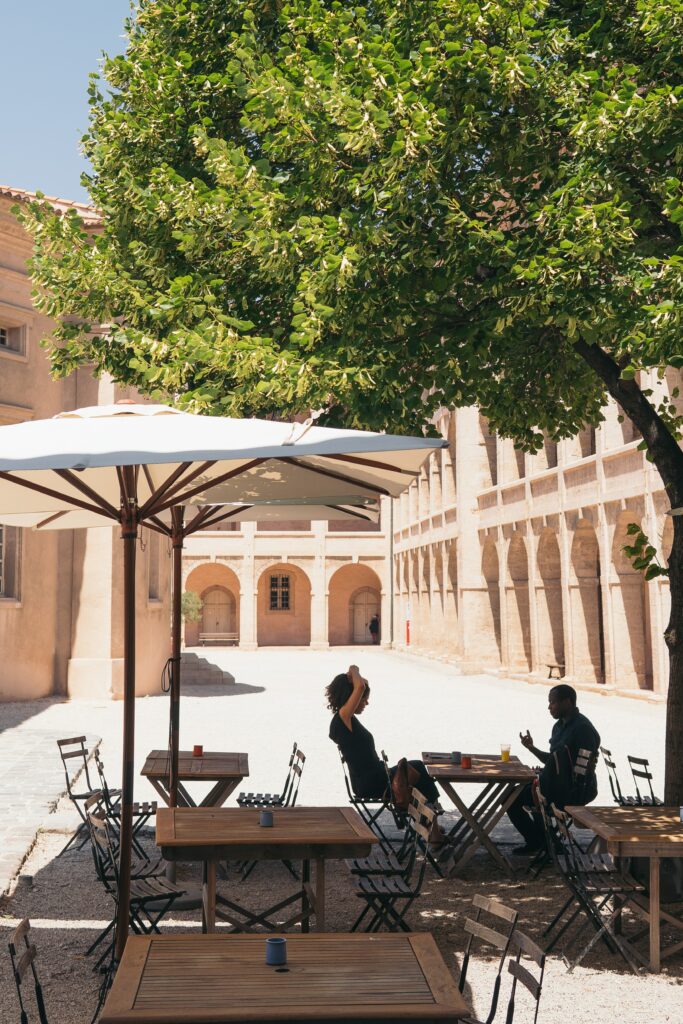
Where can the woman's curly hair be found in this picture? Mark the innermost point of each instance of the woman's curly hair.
(338, 692)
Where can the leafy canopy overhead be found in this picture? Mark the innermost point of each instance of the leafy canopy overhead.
(312, 204)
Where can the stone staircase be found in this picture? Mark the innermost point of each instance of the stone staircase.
(196, 671)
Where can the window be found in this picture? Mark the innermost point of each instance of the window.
(12, 339)
(153, 546)
(9, 561)
(279, 593)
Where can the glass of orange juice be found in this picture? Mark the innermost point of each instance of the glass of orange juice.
(505, 751)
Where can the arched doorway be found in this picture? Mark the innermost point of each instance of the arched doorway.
(491, 607)
(588, 642)
(517, 606)
(219, 588)
(218, 611)
(549, 601)
(284, 607)
(354, 595)
(630, 613)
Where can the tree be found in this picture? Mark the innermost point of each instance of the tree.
(191, 606)
(379, 210)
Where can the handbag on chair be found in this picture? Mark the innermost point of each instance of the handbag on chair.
(404, 778)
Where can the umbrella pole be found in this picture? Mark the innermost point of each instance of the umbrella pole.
(129, 524)
(177, 542)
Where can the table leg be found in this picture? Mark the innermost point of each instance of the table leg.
(320, 894)
(217, 796)
(655, 961)
(209, 897)
(478, 830)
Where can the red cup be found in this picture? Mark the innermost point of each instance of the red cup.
(466, 761)
(197, 750)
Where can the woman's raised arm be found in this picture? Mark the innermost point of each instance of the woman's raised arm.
(348, 710)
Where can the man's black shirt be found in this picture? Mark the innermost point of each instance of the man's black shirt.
(569, 735)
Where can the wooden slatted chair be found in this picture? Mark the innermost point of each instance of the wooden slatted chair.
(640, 769)
(75, 756)
(523, 947)
(151, 896)
(23, 955)
(617, 794)
(481, 930)
(600, 890)
(388, 897)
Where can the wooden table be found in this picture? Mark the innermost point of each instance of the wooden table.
(502, 781)
(226, 770)
(233, 833)
(219, 979)
(651, 832)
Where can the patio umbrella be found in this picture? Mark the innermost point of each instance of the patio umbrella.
(134, 464)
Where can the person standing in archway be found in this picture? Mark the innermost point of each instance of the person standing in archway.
(373, 626)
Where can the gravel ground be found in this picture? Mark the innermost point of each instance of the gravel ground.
(415, 705)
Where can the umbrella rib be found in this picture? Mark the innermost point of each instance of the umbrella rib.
(168, 490)
(349, 512)
(199, 517)
(375, 465)
(50, 519)
(204, 487)
(336, 476)
(207, 521)
(148, 477)
(80, 485)
(163, 528)
(51, 493)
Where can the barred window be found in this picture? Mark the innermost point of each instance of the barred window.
(9, 561)
(12, 339)
(279, 593)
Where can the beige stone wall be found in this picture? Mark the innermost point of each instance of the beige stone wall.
(539, 577)
(63, 633)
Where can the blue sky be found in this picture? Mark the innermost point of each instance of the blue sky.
(49, 48)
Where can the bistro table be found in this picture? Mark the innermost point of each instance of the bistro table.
(226, 770)
(501, 781)
(211, 835)
(650, 832)
(221, 979)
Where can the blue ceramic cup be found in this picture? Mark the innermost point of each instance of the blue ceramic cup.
(456, 756)
(265, 819)
(276, 952)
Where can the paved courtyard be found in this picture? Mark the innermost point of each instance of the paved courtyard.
(277, 698)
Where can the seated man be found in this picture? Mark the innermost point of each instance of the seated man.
(572, 732)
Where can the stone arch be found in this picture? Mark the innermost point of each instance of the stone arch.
(283, 621)
(585, 596)
(630, 613)
(518, 615)
(213, 576)
(549, 600)
(491, 608)
(353, 598)
(489, 462)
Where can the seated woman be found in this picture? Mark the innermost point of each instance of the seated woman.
(347, 696)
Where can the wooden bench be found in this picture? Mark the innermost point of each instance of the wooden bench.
(555, 668)
(218, 638)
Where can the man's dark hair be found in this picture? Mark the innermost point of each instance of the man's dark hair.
(565, 692)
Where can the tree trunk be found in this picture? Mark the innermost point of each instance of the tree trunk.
(667, 456)
(673, 786)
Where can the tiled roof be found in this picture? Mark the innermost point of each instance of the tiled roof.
(91, 217)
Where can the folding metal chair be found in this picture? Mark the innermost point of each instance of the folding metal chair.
(478, 929)
(522, 946)
(617, 794)
(142, 811)
(388, 897)
(151, 896)
(23, 954)
(287, 796)
(640, 769)
(74, 755)
(599, 890)
(370, 808)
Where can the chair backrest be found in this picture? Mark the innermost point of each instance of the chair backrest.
(420, 817)
(288, 777)
(296, 768)
(23, 954)
(481, 930)
(103, 779)
(525, 953)
(571, 863)
(102, 846)
(612, 775)
(74, 755)
(400, 819)
(584, 773)
(640, 769)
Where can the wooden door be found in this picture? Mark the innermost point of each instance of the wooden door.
(365, 605)
(216, 616)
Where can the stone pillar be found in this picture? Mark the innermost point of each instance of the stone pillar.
(248, 592)
(319, 594)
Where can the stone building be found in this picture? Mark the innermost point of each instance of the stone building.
(514, 563)
(61, 603)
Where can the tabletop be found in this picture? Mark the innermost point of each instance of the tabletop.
(303, 831)
(485, 768)
(644, 829)
(211, 766)
(222, 978)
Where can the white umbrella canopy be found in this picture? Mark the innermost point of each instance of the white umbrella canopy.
(137, 464)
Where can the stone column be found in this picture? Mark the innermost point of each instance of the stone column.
(248, 592)
(319, 594)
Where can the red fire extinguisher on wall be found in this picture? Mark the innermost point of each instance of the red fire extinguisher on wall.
(408, 625)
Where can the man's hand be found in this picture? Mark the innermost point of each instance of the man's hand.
(526, 740)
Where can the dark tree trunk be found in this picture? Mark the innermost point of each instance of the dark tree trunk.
(667, 456)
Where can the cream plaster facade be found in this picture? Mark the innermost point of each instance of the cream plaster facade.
(61, 616)
(514, 563)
